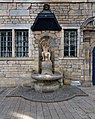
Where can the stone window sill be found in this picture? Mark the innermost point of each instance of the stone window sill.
(71, 58)
(14, 59)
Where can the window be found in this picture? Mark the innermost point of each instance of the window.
(5, 43)
(21, 43)
(14, 46)
(70, 43)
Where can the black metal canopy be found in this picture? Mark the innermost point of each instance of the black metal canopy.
(46, 20)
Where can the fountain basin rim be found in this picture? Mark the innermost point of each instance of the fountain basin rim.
(47, 77)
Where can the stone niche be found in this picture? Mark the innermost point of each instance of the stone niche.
(46, 41)
(52, 38)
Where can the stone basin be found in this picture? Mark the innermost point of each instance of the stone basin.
(47, 77)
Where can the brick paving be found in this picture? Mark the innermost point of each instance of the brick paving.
(82, 107)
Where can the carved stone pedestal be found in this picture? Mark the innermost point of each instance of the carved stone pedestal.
(46, 67)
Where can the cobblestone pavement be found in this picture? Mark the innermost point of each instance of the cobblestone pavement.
(81, 107)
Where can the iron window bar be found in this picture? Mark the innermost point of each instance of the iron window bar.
(5, 43)
(21, 43)
(70, 43)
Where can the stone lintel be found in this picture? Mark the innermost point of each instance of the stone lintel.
(15, 26)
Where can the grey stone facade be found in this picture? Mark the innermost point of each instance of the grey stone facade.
(71, 14)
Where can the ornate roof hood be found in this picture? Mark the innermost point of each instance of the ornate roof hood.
(46, 20)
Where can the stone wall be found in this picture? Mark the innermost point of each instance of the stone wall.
(69, 14)
(73, 69)
(66, 13)
(15, 72)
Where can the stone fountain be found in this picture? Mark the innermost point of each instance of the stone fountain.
(46, 81)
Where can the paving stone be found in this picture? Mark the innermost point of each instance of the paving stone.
(76, 108)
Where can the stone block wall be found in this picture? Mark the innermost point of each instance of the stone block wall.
(15, 72)
(73, 68)
(68, 13)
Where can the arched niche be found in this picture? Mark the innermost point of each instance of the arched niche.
(50, 43)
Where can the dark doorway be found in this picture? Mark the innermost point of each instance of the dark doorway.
(93, 67)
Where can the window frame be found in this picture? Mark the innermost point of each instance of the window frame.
(69, 44)
(62, 42)
(20, 45)
(5, 39)
(13, 27)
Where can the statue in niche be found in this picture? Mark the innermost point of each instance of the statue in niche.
(45, 51)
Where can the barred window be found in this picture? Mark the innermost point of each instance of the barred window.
(21, 43)
(5, 43)
(70, 43)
